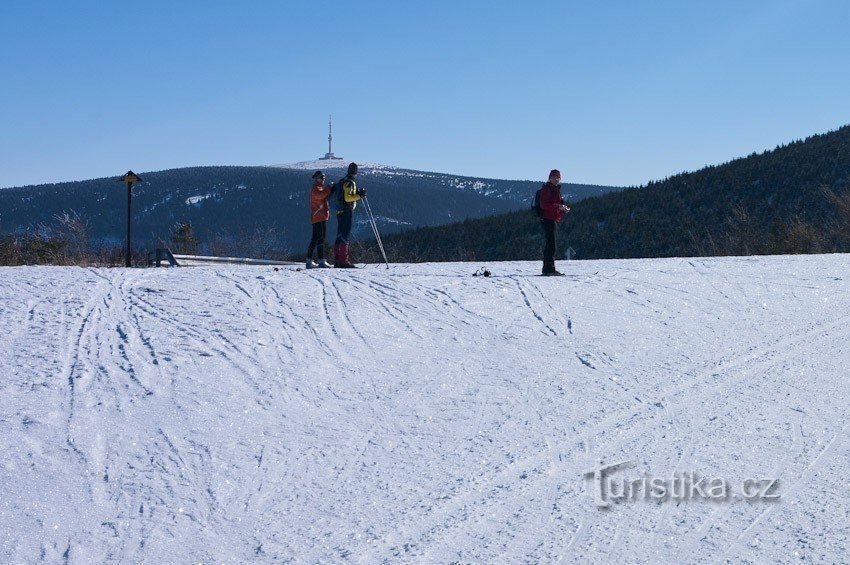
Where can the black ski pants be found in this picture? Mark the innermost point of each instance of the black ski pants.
(549, 245)
(317, 242)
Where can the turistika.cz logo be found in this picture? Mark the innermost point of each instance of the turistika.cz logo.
(681, 486)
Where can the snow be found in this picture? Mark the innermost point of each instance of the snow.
(461, 183)
(386, 220)
(328, 164)
(419, 414)
(199, 199)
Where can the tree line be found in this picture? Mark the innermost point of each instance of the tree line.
(793, 199)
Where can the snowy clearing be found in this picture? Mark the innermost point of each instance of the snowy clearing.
(421, 414)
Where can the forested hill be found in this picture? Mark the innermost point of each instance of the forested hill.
(251, 210)
(794, 199)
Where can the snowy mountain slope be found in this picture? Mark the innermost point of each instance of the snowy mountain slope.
(420, 414)
(329, 164)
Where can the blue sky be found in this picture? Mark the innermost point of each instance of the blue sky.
(616, 92)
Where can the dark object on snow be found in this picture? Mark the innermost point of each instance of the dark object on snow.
(482, 272)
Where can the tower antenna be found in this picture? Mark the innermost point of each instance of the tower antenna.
(329, 156)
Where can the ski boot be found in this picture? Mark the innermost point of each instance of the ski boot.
(341, 257)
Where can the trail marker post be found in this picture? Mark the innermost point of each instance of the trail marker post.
(129, 178)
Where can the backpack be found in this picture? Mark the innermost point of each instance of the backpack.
(535, 205)
(340, 203)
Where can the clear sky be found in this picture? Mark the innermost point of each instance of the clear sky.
(615, 92)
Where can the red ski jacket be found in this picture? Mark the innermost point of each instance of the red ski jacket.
(550, 202)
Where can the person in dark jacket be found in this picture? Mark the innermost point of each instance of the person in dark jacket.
(552, 209)
(349, 194)
(319, 215)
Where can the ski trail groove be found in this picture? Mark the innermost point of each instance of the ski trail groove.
(549, 328)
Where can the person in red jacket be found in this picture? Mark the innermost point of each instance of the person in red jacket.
(552, 209)
(319, 215)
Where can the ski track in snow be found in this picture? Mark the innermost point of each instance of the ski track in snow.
(422, 415)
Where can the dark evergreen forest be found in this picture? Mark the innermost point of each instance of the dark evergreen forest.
(794, 199)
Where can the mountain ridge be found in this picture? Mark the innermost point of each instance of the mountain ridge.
(229, 203)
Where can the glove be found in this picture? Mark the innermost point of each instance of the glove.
(361, 192)
(565, 208)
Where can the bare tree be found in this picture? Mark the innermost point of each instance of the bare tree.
(73, 230)
(10, 252)
(263, 242)
(841, 226)
(740, 234)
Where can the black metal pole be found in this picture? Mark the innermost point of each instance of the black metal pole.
(129, 202)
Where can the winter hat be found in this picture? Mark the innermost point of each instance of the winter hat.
(318, 174)
(352, 169)
(554, 173)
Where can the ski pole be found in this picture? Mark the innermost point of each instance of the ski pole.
(378, 237)
(375, 230)
(369, 218)
(372, 225)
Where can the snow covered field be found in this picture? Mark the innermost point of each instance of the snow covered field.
(420, 414)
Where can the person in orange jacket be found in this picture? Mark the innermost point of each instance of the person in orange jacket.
(319, 215)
